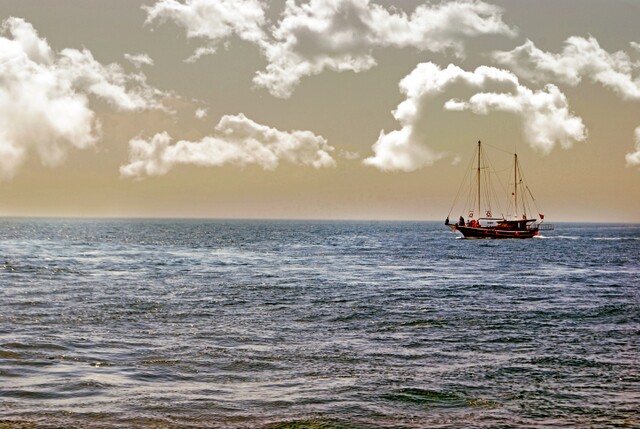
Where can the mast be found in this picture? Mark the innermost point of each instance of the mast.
(515, 186)
(479, 180)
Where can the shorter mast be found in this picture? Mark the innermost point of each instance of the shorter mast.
(515, 186)
(479, 208)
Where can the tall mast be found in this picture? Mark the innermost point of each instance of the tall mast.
(479, 179)
(515, 186)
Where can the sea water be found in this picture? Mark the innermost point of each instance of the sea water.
(284, 324)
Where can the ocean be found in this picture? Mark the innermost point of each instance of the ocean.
(309, 324)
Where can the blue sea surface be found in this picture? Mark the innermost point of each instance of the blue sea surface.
(285, 324)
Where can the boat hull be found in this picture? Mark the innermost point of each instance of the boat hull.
(493, 233)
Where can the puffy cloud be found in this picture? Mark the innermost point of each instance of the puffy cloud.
(401, 150)
(339, 35)
(139, 60)
(213, 20)
(342, 34)
(238, 141)
(580, 58)
(634, 157)
(544, 113)
(201, 113)
(124, 91)
(44, 97)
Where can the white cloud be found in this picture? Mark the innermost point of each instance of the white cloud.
(346, 154)
(545, 113)
(212, 20)
(633, 158)
(238, 141)
(339, 35)
(139, 60)
(580, 58)
(401, 150)
(201, 52)
(201, 113)
(44, 97)
(124, 91)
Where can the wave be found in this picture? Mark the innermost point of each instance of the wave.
(616, 238)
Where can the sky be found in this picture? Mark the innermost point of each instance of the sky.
(318, 109)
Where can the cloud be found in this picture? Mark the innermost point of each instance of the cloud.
(346, 154)
(44, 97)
(338, 35)
(201, 113)
(212, 20)
(580, 59)
(139, 60)
(124, 91)
(634, 157)
(545, 114)
(201, 52)
(238, 141)
(341, 35)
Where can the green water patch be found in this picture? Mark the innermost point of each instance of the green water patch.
(308, 424)
(10, 424)
(426, 322)
(438, 399)
(6, 354)
(432, 398)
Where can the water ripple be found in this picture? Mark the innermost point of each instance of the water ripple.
(257, 324)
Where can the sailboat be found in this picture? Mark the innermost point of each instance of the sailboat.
(481, 221)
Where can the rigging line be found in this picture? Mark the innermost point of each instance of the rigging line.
(530, 194)
(494, 195)
(533, 199)
(517, 183)
(488, 186)
(504, 190)
(464, 179)
(526, 200)
(501, 171)
(535, 203)
(497, 148)
(529, 208)
(526, 185)
(455, 200)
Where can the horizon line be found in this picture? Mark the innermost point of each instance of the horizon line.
(266, 219)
